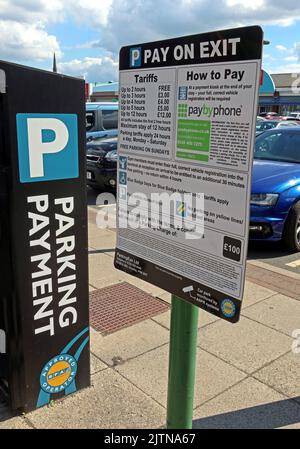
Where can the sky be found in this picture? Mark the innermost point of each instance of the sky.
(86, 35)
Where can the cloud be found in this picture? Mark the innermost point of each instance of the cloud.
(24, 25)
(25, 42)
(281, 48)
(287, 68)
(251, 4)
(288, 64)
(91, 69)
(297, 50)
(24, 36)
(29, 11)
(127, 21)
(88, 12)
(291, 58)
(90, 44)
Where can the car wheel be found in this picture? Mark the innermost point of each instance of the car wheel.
(291, 235)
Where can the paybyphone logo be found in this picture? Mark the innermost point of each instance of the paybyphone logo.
(135, 57)
(47, 147)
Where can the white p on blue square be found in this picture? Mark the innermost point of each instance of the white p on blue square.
(135, 57)
(47, 147)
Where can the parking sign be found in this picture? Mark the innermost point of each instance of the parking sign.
(186, 127)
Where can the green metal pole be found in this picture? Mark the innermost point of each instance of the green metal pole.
(182, 364)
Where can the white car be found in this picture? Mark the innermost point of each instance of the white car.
(294, 116)
(271, 124)
(284, 124)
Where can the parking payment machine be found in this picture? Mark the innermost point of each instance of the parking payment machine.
(44, 334)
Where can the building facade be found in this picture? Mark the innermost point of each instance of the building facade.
(104, 92)
(285, 97)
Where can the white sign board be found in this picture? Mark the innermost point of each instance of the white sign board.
(187, 115)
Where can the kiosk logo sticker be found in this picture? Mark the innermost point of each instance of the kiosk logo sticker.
(228, 308)
(47, 147)
(135, 57)
(58, 374)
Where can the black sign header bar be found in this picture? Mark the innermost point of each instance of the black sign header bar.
(236, 44)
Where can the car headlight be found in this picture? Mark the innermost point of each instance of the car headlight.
(112, 155)
(264, 199)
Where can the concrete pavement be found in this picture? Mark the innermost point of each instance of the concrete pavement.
(247, 374)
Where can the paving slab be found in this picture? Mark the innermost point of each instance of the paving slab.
(163, 319)
(247, 345)
(103, 273)
(150, 373)
(96, 364)
(283, 375)
(279, 312)
(100, 239)
(149, 288)
(14, 423)
(254, 293)
(101, 221)
(111, 403)
(165, 296)
(248, 405)
(205, 318)
(129, 342)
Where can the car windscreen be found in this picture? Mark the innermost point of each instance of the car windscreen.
(264, 126)
(278, 146)
(89, 120)
(110, 119)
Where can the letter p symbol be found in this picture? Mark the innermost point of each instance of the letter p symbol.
(135, 57)
(47, 147)
(37, 148)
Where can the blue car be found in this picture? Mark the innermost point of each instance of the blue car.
(275, 197)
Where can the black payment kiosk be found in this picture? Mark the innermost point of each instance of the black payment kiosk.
(44, 320)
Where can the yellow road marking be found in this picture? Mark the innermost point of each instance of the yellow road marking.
(294, 264)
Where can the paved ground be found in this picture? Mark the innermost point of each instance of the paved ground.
(247, 374)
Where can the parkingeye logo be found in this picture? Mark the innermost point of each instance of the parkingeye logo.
(47, 147)
(135, 57)
(58, 374)
(228, 308)
(212, 112)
